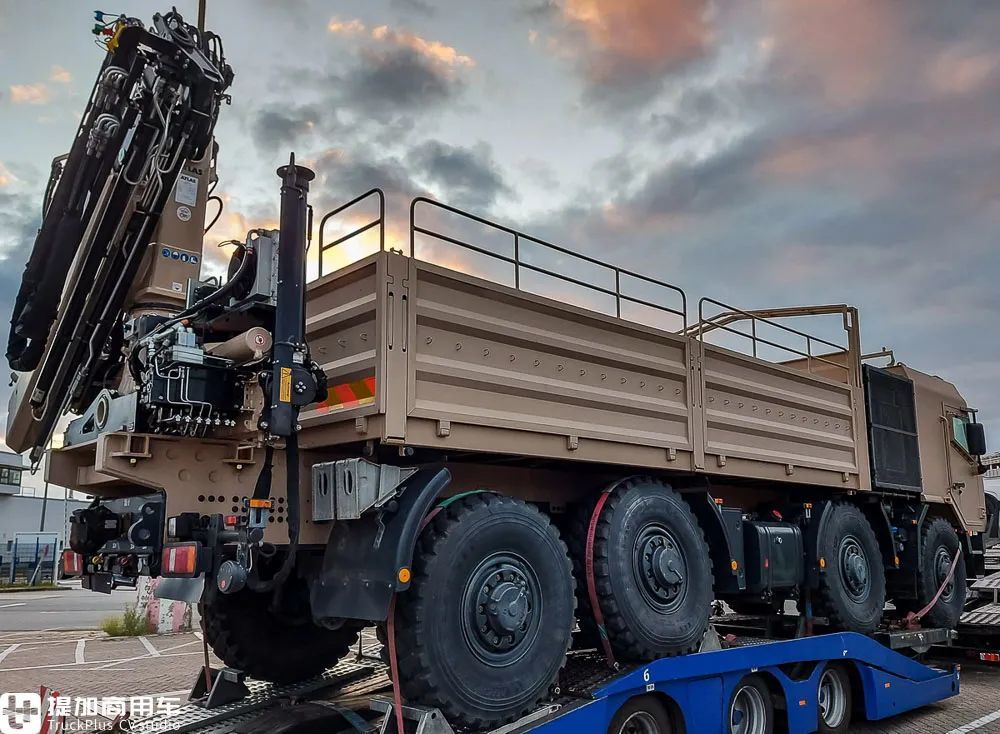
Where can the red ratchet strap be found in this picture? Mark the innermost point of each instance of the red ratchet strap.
(913, 617)
(397, 698)
(609, 654)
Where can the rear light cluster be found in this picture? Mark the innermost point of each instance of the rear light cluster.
(180, 559)
(72, 563)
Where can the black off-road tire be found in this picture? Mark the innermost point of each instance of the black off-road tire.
(485, 561)
(852, 600)
(640, 625)
(245, 634)
(939, 544)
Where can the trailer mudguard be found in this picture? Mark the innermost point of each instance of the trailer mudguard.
(368, 560)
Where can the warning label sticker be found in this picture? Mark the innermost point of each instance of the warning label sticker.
(285, 385)
(186, 190)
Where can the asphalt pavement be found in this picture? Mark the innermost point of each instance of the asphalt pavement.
(71, 608)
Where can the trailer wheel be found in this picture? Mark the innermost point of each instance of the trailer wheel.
(939, 546)
(245, 634)
(484, 628)
(852, 587)
(641, 715)
(834, 700)
(751, 710)
(652, 572)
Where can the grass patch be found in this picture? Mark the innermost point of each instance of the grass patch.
(128, 624)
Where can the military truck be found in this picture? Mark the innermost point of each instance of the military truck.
(482, 456)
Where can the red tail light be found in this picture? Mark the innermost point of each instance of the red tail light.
(180, 559)
(72, 563)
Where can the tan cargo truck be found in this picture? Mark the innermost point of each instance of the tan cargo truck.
(490, 454)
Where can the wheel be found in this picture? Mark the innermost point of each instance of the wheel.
(245, 634)
(641, 715)
(483, 631)
(652, 572)
(852, 588)
(939, 546)
(834, 700)
(751, 710)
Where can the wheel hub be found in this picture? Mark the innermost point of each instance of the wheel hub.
(832, 699)
(854, 569)
(501, 600)
(660, 566)
(942, 565)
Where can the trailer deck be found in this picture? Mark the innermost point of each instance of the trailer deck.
(356, 694)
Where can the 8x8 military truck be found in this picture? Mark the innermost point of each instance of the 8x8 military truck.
(484, 463)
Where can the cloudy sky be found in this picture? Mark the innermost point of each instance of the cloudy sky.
(765, 154)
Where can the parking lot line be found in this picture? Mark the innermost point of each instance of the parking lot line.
(149, 647)
(106, 663)
(977, 724)
(80, 647)
(8, 651)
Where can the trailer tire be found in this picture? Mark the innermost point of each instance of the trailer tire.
(245, 634)
(483, 630)
(938, 547)
(834, 701)
(652, 572)
(852, 587)
(642, 715)
(751, 709)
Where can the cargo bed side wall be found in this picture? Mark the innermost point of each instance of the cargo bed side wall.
(772, 421)
(345, 329)
(497, 370)
(462, 364)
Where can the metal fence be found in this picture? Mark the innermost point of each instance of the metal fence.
(33, 558)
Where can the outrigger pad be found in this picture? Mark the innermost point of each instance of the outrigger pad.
(227, 686)
(363, 557)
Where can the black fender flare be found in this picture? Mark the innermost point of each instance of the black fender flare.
(725, 542)
(368, 560)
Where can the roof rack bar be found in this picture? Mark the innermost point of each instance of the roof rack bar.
(519, 238)
(378, 222)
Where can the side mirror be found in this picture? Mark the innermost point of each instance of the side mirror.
(975, 436)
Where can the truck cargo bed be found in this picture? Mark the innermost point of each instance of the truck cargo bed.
(421, 355)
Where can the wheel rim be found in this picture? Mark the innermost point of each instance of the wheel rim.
(639, 722)
(855, 571)
(501, 609)
(832, 699)
(942, 565)
(660, 568)
(748, 712)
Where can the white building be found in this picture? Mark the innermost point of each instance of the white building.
(21, 511)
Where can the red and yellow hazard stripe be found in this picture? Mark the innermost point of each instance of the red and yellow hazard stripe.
(350, 394)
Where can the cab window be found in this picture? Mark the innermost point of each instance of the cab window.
(958, 435)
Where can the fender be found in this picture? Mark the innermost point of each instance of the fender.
(725, 541)
(810, 536)
(368, 560)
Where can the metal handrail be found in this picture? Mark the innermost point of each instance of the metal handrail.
(378, 222)
(519, 237)
(720, 321)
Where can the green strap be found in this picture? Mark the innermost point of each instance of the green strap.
(448, 500)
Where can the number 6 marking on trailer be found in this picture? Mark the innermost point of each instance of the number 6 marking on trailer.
(645, 678)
